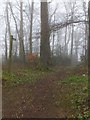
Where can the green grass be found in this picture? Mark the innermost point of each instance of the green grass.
(22, 75)
(76, 95)
(76, 79)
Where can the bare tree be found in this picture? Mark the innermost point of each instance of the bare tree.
(45, 53)
(53, 39)
(10, 38)
(89, 54)
(72, 31)
(17, 31)
(21, 39)
(86, 28)
(6, 43)
(31, 23)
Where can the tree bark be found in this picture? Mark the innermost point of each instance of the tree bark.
(45, 53)
(6, 43)
(53, 38)
(10, 39)
(21, 41)
(89, 54)
(86, 30)
(72, 33)
(14, 20)
(72, 43)
(31, 23)
(17, 31)
(66, 50)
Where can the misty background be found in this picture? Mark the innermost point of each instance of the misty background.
(61, 36)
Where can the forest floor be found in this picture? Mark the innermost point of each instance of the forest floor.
(60, 92)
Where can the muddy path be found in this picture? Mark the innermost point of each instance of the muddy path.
(37, 100)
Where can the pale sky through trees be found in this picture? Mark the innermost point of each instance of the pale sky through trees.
(2, 13)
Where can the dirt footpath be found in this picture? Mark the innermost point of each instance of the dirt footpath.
(36, 100)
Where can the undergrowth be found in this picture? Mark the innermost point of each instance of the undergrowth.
(77, 96)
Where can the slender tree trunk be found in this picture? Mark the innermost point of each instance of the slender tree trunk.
(17, 31)
(89, 54)
(6, 43)
(14, 20)
(76, 48)
(53, 39)
(53, 43)
(72, 43)
(10, 52)
(59, 47)
(31, 24)
(66, 50)
(86, 30)
(21, 40)
(72, 28)
(16, 45)
(86, 38)
(8, 23)
(45, 53)
(10, 39)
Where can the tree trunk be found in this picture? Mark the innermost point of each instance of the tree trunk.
(17, 31)
(72, 44)
(10, 52)
(45, 53)
(76, 47)
(86, 30)
(31, 23)
(66, 50)
(21, 43)
(10, 39)
(89, 54)
(53, 38)
(6, 44)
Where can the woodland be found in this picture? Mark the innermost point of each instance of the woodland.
(45, 59)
